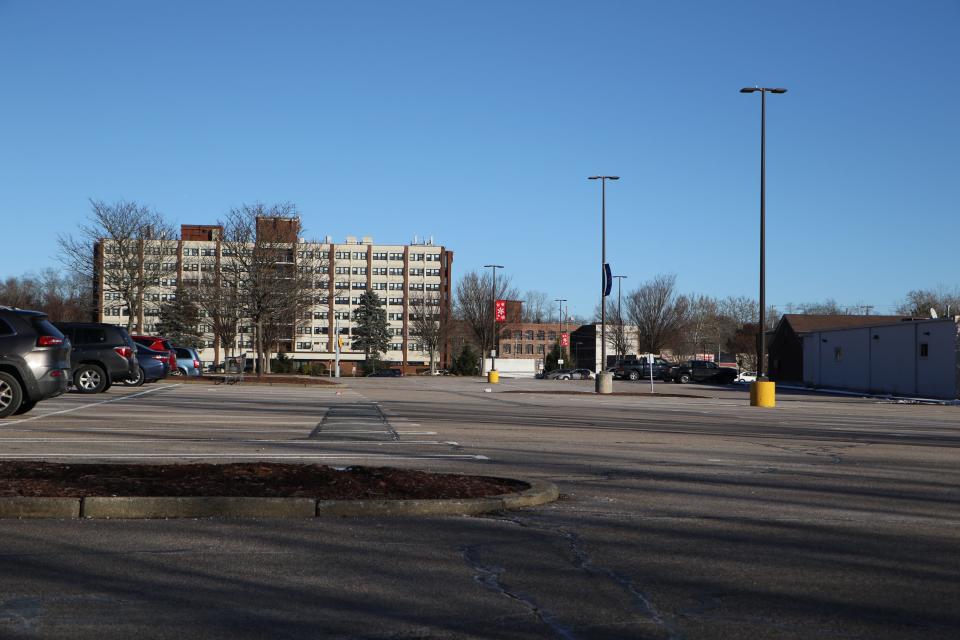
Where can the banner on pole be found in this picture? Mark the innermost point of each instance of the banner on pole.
(564, 339)
(500, 311)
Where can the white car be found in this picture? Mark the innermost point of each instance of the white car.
(746, 376)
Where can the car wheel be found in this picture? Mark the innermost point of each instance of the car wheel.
(634, 376)
(684, 378)
(137, 380)
(25, 406)
(89, 378)
(177, 372)
(11, 395)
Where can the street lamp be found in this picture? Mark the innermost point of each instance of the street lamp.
(604, 379)
(493, 315)
(619, 318)
(560, 302)
(763, 91)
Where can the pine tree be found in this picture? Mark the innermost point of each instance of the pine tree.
(552, 361)
(370, 333)
(179, 320)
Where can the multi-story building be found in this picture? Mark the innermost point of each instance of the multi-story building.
(404, 276)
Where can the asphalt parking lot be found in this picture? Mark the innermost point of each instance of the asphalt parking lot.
(682, 517)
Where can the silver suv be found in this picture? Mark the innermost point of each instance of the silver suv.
(34, 360)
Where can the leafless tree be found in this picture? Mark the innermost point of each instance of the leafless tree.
(617, 334)
(260, 248)
(536, 307)
(918, 303)
(128, 247)
(658, 312)
(63, 297)
(430, 326)
(474, 306)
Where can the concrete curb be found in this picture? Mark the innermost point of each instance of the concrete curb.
(23, 507)
(130, 507)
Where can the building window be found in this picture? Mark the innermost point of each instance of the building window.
(551, 336)
(529, 349)
(540, 348)
(518, 335)
(506, 349)
(529, 335)
(359, 256)
(380, 256)
(359, 271)
(396, 256)
(924, 349)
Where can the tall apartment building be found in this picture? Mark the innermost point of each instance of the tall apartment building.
(400, 274)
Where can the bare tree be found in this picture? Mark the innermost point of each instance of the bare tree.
(430, 325)
(918, 303)
(657, 311)
(260, 248)
(617, 335)
(536, 307)
(128, 247)
(62, 297)
(475, 300)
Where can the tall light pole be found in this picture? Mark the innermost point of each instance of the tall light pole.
(619, 316)
(493, 316)
(601, 374)
(763, 91)
(560, 301)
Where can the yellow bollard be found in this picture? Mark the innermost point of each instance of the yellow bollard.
(493, 376)
(763, 394)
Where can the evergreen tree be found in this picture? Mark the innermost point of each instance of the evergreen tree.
(467, 363)
(370, 333)
(551, 362)
(179, 321)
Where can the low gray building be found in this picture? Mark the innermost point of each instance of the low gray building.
(913, 358)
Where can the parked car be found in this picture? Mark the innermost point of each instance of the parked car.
(386, 373)
(560, 374)
(188, 362)
(702, 371)
(747, 376)
(640, 370)
(582, 374)
(100, 355)
(160, 344)
(34, 360)
(151, 366)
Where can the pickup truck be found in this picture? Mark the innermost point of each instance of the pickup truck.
(702, 371)
(640, 370)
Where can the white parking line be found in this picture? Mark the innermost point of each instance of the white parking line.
(87, 406)
(312, 441)
(259, 456)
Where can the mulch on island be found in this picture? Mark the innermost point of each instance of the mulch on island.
(247, 479)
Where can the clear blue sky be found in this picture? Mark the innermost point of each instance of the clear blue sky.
(478, 123)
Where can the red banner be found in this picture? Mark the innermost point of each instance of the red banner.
(564, 339)
(500, 311)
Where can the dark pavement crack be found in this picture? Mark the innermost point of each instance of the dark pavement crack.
(490, 578)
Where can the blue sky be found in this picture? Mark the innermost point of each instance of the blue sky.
(478, 123)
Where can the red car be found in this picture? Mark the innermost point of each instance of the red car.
(159, 344)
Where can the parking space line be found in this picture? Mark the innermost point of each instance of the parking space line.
(258, 456)
(87, 406)
(310, 442)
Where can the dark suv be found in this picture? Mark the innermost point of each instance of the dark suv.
(34, 360)
(703, 371)
(102, 354)
(639, 369)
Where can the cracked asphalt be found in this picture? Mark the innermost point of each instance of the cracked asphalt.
(689, 517)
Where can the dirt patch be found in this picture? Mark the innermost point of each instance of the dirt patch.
(258, 480)
(615, 393)
(252, 379)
